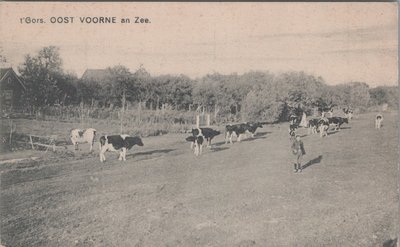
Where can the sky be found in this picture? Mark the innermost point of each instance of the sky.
(341, 42)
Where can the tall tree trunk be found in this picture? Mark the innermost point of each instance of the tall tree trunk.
(216, 110)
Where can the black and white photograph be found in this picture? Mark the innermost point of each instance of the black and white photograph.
(238, 124)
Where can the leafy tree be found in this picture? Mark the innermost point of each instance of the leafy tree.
(44, 77)
(384, 94)
(122, 84)
(261, 105)
(66, 88)
(88, 92)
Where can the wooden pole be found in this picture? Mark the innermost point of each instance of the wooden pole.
(11, 131)
(197, 121)
(30, 138)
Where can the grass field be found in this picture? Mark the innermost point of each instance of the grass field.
(244, 194)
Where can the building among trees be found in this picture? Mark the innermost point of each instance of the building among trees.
(96, 75)
(11, 89)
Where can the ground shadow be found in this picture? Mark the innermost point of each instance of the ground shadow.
(332, 132)
(252, 139)
(218, 143)
(336, 131)
(313, 162)
(390, 243)
(217, 149)
(162, 151)
(262, 133)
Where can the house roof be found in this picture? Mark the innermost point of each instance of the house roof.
(97, 75)
(7, 71)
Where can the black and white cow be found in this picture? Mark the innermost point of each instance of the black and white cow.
(235, 129)
(323, 126)
(197, 142)
(337, 122)
(241, 129)
(82, 136)
(378, 121)
(118, 143)
(313, 125)
(253, 126)
(207, 133)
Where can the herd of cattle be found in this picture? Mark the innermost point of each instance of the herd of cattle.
(203, 136)
(200, 134)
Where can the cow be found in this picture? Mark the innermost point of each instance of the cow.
(197, 142)
(323, 126)
(313, 125)
(207, 133)
(239, 130)
(252, 127)
(82, 136)
(118, 143)
(337, 122)
(348, 113)
(378, 121)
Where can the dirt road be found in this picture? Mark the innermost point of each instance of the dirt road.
(244, 194)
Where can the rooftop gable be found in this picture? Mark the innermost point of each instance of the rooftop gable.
(4, 72)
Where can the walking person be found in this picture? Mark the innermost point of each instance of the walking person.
(298, 151)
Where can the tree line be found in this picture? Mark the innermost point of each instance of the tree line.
(253, 95)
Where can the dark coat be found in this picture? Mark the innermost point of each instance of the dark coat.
(298, 146)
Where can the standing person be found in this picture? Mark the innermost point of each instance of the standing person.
(378, 121)
(298, 151)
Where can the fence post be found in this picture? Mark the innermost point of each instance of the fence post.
(208, 120)
(30, 138)
(11, 131)
(197, 121)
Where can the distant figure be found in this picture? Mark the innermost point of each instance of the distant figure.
(378, 121)
(292, 130)
(293, 119)
(348, 113)
(298, 152)
(385, 107)
(303, 121)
